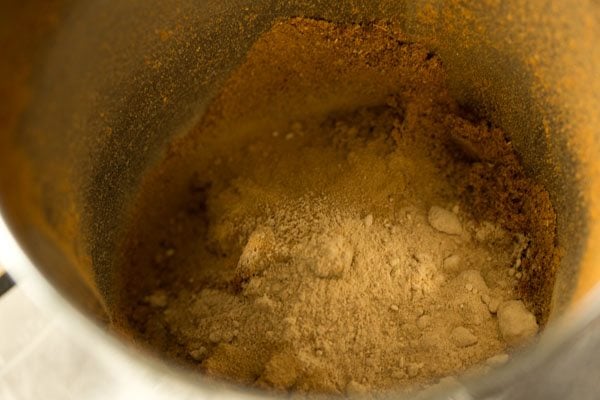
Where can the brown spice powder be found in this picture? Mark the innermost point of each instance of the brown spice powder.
(336, 223)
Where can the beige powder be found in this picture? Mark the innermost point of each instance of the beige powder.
(328, 293)
(354, 245)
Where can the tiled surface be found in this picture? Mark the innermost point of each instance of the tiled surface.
(38, 360)
(22, 325)
(56, 368)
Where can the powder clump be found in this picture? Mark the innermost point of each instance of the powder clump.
(444, 221)
(516, 323)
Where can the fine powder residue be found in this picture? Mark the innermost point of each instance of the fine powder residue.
(337, 224)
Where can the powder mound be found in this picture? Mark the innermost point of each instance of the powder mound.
(336, 224)
(312, 302)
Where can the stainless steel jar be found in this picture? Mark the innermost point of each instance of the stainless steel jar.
(92, 92)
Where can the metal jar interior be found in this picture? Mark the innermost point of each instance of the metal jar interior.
(91, 94)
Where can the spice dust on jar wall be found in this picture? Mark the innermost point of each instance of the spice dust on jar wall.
(336, 223)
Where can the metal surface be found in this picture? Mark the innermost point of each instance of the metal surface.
(94, 92)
